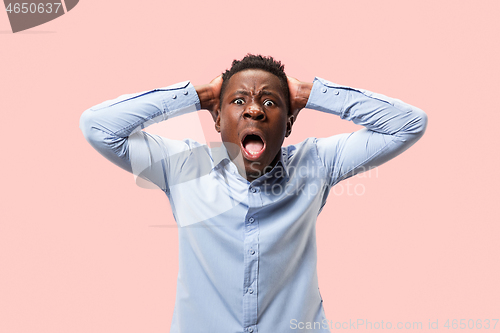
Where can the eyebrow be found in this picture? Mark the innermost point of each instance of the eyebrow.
(262, 93)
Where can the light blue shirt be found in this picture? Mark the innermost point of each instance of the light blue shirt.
(247, 250)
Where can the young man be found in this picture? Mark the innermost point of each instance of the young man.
(247, 210)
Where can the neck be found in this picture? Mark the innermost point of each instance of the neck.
(250, 173)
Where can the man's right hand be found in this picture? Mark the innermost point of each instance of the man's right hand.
(209, 95)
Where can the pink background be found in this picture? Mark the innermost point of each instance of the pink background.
(84, 249)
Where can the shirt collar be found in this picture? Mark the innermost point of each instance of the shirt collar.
(221, 157)
(280, 169)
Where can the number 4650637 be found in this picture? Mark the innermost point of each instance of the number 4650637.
(26, 7)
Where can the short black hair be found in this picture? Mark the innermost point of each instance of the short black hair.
(251, 61)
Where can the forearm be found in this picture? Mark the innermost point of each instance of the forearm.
(128, 113)
(391, 127)
(108, 125)
(374, 111)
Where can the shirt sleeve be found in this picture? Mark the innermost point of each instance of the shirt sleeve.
(114, 129)
(391, 127)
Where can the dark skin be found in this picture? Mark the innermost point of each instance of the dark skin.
(253, 106)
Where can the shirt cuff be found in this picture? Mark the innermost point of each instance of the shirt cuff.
(180, 96)
(327, 97)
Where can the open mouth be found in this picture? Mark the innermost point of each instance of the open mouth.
(253, 146)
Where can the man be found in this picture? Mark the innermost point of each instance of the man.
(247, 210)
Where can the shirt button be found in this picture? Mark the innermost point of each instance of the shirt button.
(324, 90)
(174, 96)
(253, 190)
(251, 220)
(250, 290)
(336, 92)
(250, 329)
(185, 92)
(252, 252)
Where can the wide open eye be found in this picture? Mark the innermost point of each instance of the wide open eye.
(269, 103)
(239, 101)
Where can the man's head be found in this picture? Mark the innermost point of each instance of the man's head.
(254, 114)
(267, 64)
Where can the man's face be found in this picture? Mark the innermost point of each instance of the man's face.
(253, 120)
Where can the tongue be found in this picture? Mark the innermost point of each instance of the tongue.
(254, 146)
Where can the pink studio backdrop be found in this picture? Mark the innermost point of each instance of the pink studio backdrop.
(83, 249)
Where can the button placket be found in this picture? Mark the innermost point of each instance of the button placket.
(251, 260)
(251, 263)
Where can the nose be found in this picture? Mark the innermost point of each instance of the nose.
(254, 111)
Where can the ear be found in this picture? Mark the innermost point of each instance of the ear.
(289, 124)
(216, 116)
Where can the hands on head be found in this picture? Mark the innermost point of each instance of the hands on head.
(299, 94)
(209, 95)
